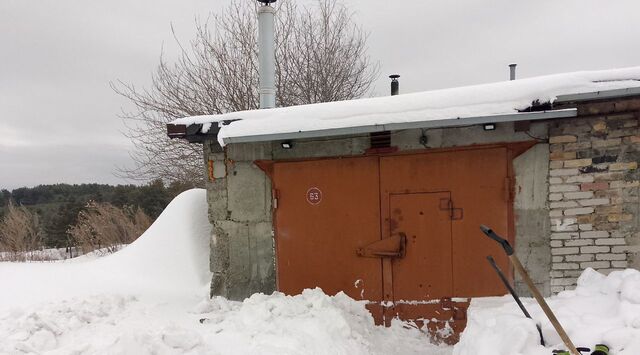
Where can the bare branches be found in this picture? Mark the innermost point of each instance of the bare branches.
(320, 56)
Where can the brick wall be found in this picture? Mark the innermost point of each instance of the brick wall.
(593, 190)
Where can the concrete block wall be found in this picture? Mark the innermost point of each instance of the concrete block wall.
(239, 196)
(593, 191)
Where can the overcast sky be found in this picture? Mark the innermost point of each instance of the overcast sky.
(59, 117)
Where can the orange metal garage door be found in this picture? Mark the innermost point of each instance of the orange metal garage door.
(400, 231)
(326, 209)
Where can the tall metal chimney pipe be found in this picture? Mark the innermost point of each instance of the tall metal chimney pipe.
(266, 55)
(395, 85)
(512, 71)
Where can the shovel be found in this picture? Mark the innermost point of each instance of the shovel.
(534, 290)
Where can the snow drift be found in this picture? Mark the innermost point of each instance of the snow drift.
(170, 260)
(602, 309)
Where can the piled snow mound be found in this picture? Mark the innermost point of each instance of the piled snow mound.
(602, 309)
(169, 261)
(43, 328)
(309, 323)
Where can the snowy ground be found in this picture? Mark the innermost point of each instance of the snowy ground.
(148, 298)
(602, 309)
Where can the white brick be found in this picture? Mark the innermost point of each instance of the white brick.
(595, 264)
(582, 257)
(566, 235)
(555, 197)
(580, 178)
(585, 227)
(555, 213)
(611, 241)
(557, 289)
(609, 270)
(563, 204)
(620, 264)
(557, 258)
(564, 251)
(556, 273)
(564, 172)
(556, 243)
(594, 234)
(563, 188)
(578, 195)
(565, 266)
(555, 180)
(557, 222)
(563, 282)
(559, 227)
(556, 164)
(578, 211)
(594, 249)
(617, 257)
(594, 202)
(626, 249)
(572, 273)
(578, 242)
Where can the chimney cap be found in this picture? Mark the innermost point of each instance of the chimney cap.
(267, 2)
(394, 76)
(513, 64)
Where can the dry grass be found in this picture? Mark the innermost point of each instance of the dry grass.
(20, 233)
(104, 226)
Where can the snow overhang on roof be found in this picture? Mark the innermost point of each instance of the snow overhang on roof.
(488, 103)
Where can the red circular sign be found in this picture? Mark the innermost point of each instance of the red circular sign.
(314, 196)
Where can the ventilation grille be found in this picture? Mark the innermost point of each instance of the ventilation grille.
(380, 140)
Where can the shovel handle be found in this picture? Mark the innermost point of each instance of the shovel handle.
(491, 234)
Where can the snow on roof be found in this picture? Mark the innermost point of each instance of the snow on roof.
(506, 97)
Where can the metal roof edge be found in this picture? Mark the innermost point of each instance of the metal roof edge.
(599, 95)
(452, 122)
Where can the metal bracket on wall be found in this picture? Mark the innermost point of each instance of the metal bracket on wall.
(455, 214)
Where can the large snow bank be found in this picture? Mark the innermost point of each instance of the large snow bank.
(602, 309)
(310, 323)
(504, 97)
(170, 260)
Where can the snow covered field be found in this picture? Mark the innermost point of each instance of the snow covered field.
(148, 298)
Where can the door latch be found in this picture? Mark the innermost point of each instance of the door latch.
(393, 247)
(446, 204)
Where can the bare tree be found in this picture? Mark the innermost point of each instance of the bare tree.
(321, 56)
(20, 232)
(104, 226)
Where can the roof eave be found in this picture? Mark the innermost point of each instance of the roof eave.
(598, 95)
(454, 122)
